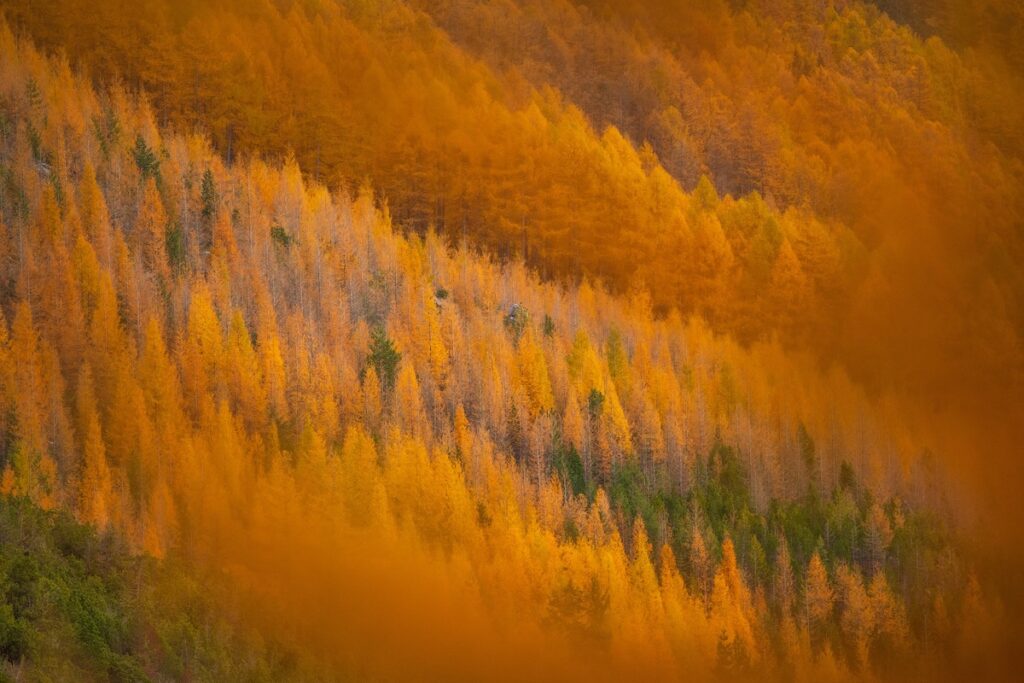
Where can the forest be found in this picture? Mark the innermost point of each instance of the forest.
(510, 340)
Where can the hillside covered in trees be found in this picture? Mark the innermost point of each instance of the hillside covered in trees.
(862, 175)
(505, 341)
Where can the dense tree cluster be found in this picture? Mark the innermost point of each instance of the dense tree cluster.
(867, 178)
(370, 435)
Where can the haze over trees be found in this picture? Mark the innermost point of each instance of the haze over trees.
(503, 340)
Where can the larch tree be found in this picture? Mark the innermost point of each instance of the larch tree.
(857, 616)
(818, 594)
(437, 351)
(879, 536)
(7, 385)
(533, 374)
(700, 565)
(744, 618)
(408, 403)
(205, 341)
(783, 586)
(889, 617)
(618, 363)
(30, 470)
(710, 267)
(95, 485)
(244, 379)
(270, 354)
(584, 365)
(87, 272)
(150, 232)
(360, 475)
(642, 572)
(614, 419)
(572, 423)
(463, 436)
(29, 406)
(372, 398)
(57, 422)
(95, 217)
(788, 288)
(159, 379)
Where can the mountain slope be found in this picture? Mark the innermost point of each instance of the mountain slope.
(891, 165)
(883, 169)
(409, 461)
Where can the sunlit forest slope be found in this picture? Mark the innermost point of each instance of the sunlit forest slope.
(577, 135)
(862, 196)
(507, 340)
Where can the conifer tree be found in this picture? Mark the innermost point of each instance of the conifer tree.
(384, 358)
(150, 232)
(95, 487)
(818, 593)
